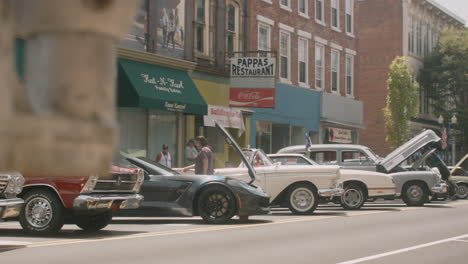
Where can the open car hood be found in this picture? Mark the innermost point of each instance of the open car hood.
(231, 142)
(459, 163)
(396, 157)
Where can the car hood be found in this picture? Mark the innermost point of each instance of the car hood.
(459, 163)
(230, 140)
(396, 157)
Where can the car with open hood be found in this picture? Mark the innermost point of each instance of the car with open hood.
(459, 176)
(358, 185)
(216, 198)
(424, 175)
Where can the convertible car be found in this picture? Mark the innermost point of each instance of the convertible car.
(359, 185)
(215, 198)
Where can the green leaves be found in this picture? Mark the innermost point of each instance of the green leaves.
(402, 102)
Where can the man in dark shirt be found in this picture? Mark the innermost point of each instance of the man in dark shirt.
(204, 160)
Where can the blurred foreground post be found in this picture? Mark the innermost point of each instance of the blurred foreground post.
(62, 121)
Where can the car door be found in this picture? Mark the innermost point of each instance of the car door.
(355, 160)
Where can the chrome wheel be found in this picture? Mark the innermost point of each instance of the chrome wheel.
(415, 193)
(462, 191)
(302, 199)
(352, 198)
(38, 212)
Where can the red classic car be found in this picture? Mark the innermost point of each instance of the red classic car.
(88, 202)
(11, 184)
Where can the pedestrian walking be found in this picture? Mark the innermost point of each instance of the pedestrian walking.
(204, 160)
(164, 158)
(190, 152)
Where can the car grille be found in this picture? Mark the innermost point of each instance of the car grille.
(120, 182)
(3, 182)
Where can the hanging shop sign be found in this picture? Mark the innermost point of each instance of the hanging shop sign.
(226, 116)
(253, 82)
(340, 135)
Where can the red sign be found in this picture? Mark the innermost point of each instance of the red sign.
(340, 135)
(252, 97)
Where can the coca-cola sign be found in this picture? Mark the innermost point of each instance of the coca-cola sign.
(252, 97)
(253, 82)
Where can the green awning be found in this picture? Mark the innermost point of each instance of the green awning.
(155, 87)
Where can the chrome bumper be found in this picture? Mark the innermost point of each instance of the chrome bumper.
(441, 187)
(96, 201)
(10, 207)
(330, 192)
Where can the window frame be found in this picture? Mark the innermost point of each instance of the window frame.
(306, 55)
(269, 28)
(349, 56)
(288, 79)
(337, 52)
(235, 34)
(286, 7)
(205, 25)
(349, 10)
(322, 70)
(306, 7)
(320, 21)
(337, 7)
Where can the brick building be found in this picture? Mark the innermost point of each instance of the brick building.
(315, 45)
(390, 28)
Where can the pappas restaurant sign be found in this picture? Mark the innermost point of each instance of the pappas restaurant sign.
(253, 82)
(339, 135)
(253, 67)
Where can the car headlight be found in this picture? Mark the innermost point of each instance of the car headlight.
(437, 172)
(90, 184)
(15, 185)
(139, 182)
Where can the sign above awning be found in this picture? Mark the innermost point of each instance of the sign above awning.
(155, 87)
(340, 135)
(226, 116)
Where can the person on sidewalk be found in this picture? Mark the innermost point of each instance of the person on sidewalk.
(190, 152)
(204, 160)
(164, 157)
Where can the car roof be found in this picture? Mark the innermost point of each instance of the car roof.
(285, 154)
(321, 146)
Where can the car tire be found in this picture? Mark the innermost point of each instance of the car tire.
(415, 194)
(94, 222)
(42, 213)
(302, 199)
(462, 191)
(353, 197)
(216, 205)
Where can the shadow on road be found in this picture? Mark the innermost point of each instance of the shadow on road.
(68, 234)
(142, 221)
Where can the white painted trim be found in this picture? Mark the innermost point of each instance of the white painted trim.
(350, 35)
(321, 40)
(306, 83)
(286, 27)
(337, 92)
(350, 51)
(265, 20)
(320, 22)
(304, 15)
(285, 80)
(269, 28)
(304, 34)
(287, 8)
(336, 29)
(338, 16)
(336, 46)
(267, 1)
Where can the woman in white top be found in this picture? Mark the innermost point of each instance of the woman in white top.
(164, 157)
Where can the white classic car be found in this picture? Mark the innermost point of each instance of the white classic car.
(359, 185)
(296, 187)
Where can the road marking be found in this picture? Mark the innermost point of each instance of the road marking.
(404, 250)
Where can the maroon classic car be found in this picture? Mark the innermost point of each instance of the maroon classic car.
(88, 202)
(11, 184)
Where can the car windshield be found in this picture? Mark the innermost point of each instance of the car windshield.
(152, 167)
(292, 160)
(259, 159)
(372, 155)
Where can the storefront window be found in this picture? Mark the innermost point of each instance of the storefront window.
(263, 135)
(297, 135)
(162, 129)
(133, 133)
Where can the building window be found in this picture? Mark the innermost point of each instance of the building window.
(349, 16)
(349, 75)
(434, 39)
(285, 50)
(418, 38)
(411, 34)
(335, 71)
(303, 7)
(232, 35)
(319, 66)
(201, 26)
(303, 57)
(335, 15)
(285, 4)
(264, 37)
(427, 40)
(319, 10)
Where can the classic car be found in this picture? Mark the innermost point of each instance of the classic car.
(414, 184)
(88, 202)
(11, 184)
(359, 186)
(459, 176)
(215, 198)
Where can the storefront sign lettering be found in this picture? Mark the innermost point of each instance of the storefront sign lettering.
(164, 84)
(226, 116)
(174, 106)
(340, 135)
(253, 67)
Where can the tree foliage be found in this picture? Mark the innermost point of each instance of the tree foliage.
(402, 102)
(445, 77)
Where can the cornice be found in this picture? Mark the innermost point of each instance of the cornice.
(155, 59)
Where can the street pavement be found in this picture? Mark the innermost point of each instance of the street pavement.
(381, 232)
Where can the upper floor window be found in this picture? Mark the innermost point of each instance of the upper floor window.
(303, 57)
(303, 7)
(335, 71)
(319, 10)
(285, 4)
(335, 13)
(264, 38)
(319, 66)
(232, 34)
(411, 34)
(349, 75)
(201, 26)
(418, 38)
(349, 16)
(427, 40)
(285, 50)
